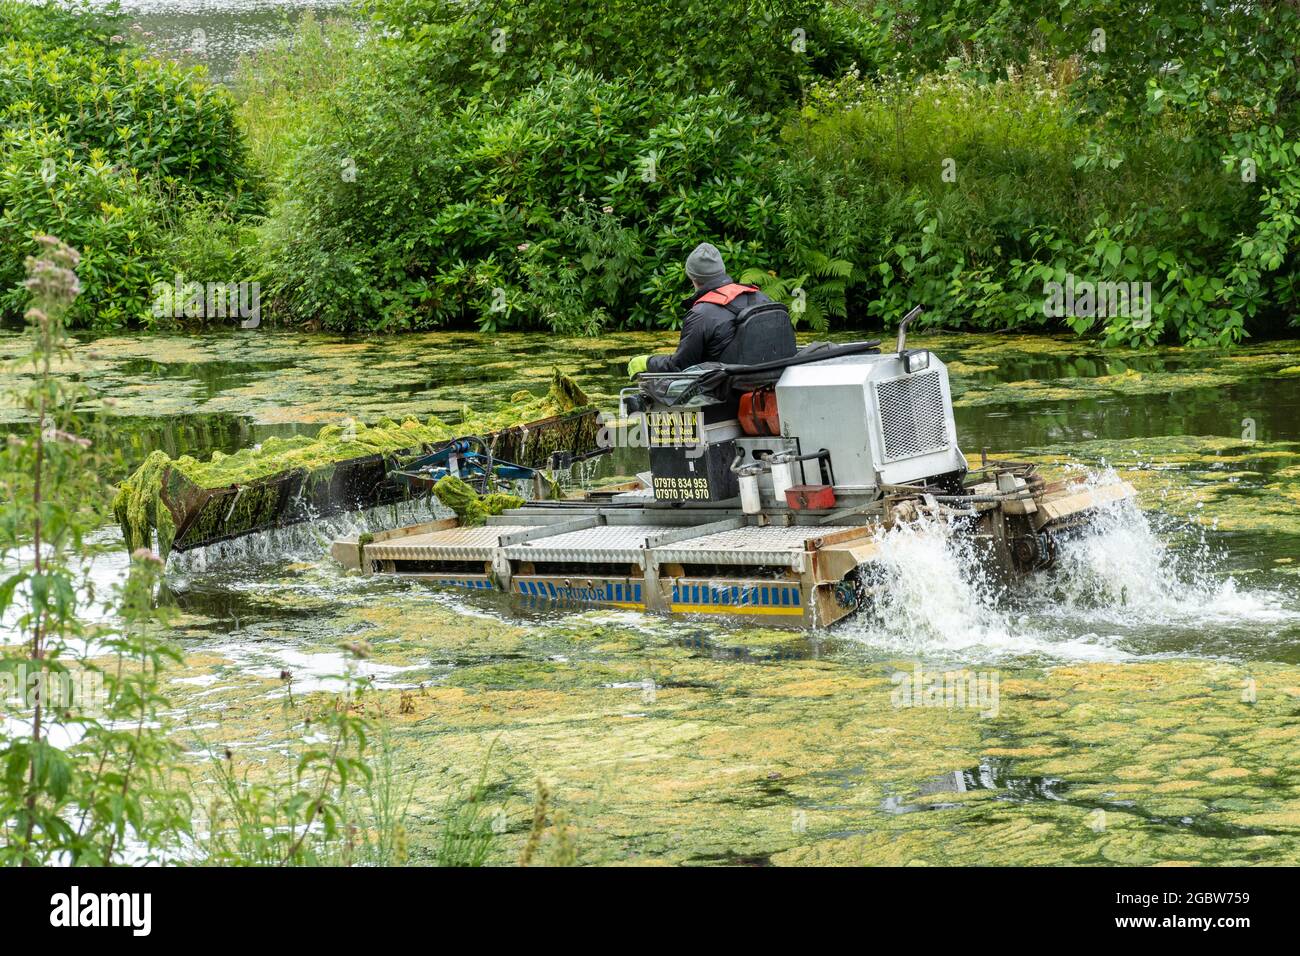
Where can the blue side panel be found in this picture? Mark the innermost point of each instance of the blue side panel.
(473, 584)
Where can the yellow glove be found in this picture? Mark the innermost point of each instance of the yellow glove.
(637, 365)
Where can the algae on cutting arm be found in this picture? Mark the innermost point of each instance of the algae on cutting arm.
(472, 508)
(138, 506)
(335, 443)
(140, 509)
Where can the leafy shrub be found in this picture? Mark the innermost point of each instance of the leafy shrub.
(967, 196)
(815, 296)
(279, 88)
(107, 211)
(466, 161)
(157, 118)
(210, 242)
(765, 49)
(1216, 84)
(1070, 155)
(573, 203)
(106, 149)
(74, 24)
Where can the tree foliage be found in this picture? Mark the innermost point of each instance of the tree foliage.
(537, 163)
(106, 148)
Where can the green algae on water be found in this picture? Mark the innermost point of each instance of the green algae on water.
(810, 760)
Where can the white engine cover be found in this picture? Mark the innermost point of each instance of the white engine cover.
(879, 423)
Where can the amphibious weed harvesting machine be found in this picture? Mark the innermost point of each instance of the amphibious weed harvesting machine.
(769, 487)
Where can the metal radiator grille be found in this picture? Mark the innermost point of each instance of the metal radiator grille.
(912, 415)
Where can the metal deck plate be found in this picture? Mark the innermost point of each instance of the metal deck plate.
(450, 544)
(608, 544)
(748, 546)
(604, 544)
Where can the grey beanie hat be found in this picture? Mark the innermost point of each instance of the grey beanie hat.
(705, 262)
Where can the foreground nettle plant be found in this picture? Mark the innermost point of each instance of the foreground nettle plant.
(86, 773)
(89, 774)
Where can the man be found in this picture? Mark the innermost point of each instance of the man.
(710, 325)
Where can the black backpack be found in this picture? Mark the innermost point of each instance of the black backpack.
(764, 332)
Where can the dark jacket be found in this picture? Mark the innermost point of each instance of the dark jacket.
(707, 329)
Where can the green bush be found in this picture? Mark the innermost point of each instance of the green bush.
(1215, 83)
(108, 150)
(766, 50)
(458, 162)
(209, 242)
(967, 196)
(74, 24)
(483, 176)
(570, 205)
(47, 186)
(157, 118)
(279, 88)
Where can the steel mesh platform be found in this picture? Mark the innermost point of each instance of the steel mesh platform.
(698, 561)
(449, 544)
(748, 546)
(606, 544)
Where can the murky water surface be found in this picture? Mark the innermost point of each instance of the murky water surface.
(1145, 692)
(216, 33)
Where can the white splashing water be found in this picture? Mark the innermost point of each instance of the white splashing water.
(1126, 570)
(1118, 590)
(937, 596)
